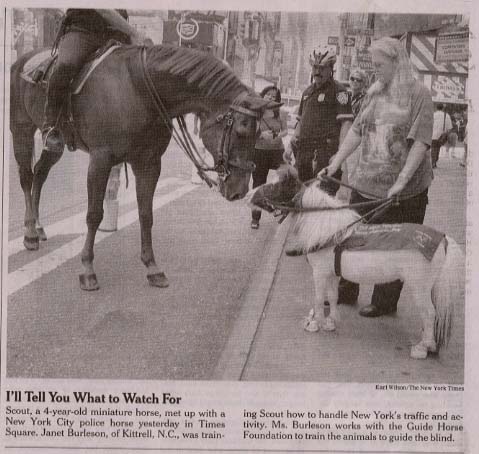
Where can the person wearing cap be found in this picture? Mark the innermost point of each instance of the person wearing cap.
(324, 117)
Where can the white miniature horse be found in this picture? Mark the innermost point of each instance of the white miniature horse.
(434, 285)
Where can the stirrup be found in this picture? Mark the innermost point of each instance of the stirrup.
(52, 139)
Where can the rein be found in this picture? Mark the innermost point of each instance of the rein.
(184, 140)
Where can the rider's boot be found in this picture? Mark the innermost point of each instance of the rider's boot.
(57, 92)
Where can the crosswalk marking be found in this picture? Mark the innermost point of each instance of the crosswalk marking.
(43, 265)
(77, 224)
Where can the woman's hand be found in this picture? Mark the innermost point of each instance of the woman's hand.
(332, 168)
(397, 187)
(288, 155)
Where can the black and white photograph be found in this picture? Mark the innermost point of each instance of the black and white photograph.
(244, 197)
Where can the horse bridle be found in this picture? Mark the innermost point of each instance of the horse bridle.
(185, 142)
(224, 163)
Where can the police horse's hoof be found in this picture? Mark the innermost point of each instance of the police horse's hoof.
(158, 280)
(31, 243)
(88, 282)
(41, 234)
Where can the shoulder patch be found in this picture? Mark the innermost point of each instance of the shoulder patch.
(342, 97)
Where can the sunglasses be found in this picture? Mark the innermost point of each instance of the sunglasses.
(355, 79)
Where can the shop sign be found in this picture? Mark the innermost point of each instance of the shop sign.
(187, 29)
(364, 60)
(448, 88)
(333, 40)
(349, 41)
(452, 47)
(360, 31)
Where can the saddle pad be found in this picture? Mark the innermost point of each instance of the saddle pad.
(392, 237)
(40, 59)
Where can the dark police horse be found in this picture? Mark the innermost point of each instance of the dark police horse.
(118, 117)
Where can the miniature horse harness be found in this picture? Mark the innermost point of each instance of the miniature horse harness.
(186, 143)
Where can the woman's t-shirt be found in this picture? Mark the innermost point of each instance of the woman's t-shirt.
(270, 123)
(387, 134)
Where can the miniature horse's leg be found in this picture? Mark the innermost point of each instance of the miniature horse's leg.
(147, 173)
(23, 145)
(316, 316)
(421, 295)
(40, 173)
(332, 297)
(98, 173)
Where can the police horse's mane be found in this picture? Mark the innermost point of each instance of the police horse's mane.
(208, 73)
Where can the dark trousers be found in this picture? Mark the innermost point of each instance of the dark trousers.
(435, 148)
(74, 49)
(386, 296)
(264, 160)
(312, 157)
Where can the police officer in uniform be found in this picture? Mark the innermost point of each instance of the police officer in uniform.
(83, 31)
(325, 116)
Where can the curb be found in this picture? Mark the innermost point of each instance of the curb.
(238, 347)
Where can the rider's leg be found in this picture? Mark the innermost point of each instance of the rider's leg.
(73, 50)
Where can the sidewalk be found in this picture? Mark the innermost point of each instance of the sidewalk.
(361, 350)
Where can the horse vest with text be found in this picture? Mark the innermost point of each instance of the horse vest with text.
(390, 237)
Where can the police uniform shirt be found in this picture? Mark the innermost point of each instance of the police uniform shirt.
(323, 109)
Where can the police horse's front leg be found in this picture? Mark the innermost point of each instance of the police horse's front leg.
(98, 173)
(147, 169)
(40, 173)
(23, 148)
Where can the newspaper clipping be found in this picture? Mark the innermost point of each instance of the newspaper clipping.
(232, 226)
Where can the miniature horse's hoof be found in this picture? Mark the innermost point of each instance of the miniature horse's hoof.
(421, 350)
(88, 282)
(31, 243)
(158, 280)
(41, 234)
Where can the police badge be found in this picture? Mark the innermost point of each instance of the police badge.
(342, 97)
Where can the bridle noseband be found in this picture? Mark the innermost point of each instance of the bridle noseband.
(224, 163)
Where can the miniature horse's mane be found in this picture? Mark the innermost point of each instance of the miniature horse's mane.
(213, 77)
(316, 229)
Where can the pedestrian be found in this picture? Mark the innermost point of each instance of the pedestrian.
(358, 81)
(269, 148)
(82, 32)
(463, 162)
(324, 117)
(393, 131)
(452, 136)
(442, 126)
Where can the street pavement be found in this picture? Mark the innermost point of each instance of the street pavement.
(127, 329)
(361, 349)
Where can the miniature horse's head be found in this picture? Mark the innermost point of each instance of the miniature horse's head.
(285, 191)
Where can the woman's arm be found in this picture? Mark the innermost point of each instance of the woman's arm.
(414, 159)
(284, 125)
(350, 143)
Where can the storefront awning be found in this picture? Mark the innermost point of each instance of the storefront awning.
(422, 57)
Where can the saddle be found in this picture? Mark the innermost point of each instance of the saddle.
(38, 69)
